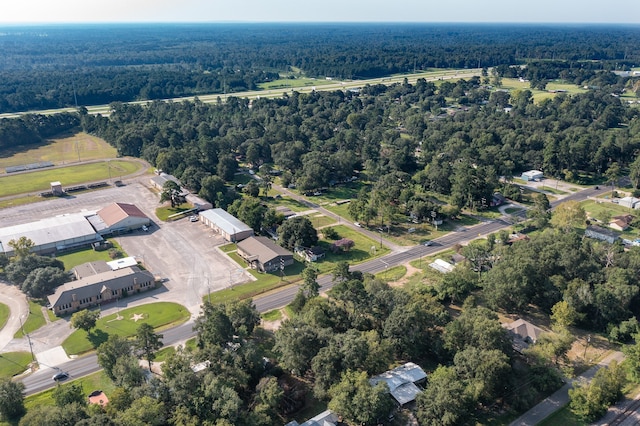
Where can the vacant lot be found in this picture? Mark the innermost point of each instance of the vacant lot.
(69, 148)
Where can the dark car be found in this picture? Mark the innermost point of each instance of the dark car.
(60, 376)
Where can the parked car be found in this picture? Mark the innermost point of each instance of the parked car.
(427, 243)
(145, 228)
(60, 376)
(193, 218)
(357, 224)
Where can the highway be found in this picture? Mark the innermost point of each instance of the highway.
(276, 93)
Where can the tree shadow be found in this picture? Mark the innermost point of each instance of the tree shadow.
(97, 337)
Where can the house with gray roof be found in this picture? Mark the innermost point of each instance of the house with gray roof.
(100, 288)
(402, 382)
(601, 234)
(263, 254)
(523, 333)
(228, 226)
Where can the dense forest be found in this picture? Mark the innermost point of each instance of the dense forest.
(59, 66)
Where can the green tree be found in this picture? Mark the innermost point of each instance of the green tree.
(477, 327)
(444, 402)
(244, 317)
(42, 281)
(564, 315)
(85, 319)
(297, 232)
(612, 174)
(213, 326)
(310, 287)
(297, 343)
(21, 247)
(146, 411)
(590, 401)
(568, 215)
(109, 352)
(11, 399)
(484, 372)
(147, 342)
(357, 401)
(213, 189)
(172, 192)
(632, 352)
(539, 213)
(69, 394)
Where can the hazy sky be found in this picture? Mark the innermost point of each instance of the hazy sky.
(578, 11)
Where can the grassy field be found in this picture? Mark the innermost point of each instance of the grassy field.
(124, 323)
(540, 95)
(562, 417)
(164, 212)
(290, 83)
(62, 150)
(79, 257)
(4, 315)
(392, 274)
(13, 202)
(36, 181)
(34, 321)
(95, 381)
(12, 363)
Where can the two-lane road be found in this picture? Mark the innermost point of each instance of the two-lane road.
(41, 380)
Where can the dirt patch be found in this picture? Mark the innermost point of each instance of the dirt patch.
(274, 325)
(411, 270)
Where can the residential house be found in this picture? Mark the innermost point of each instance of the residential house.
(523, 334)
(312, 254)
(622, 222)
(601, 234)
(263, 254)
(402, 381)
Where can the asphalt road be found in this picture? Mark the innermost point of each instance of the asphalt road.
(41, 380)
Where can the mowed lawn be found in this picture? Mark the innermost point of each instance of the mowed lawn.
(125, 323)
(62, 150)
(36, 181)
(4, 315)
(78, 257)
(12, 363)
(90, 383)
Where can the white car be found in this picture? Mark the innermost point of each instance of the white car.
(193, 218)
(145, 228)
(357, 224)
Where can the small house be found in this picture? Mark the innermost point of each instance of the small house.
(523, 333)
(312, 254)
(602, 234)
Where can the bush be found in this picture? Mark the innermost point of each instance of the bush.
(114, 253)
(331, 233)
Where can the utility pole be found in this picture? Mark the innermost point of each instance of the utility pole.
(33, 358)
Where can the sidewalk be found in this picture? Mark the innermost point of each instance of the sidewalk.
(561, 397)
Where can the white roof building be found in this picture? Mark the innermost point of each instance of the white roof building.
(227, 225)
(532, 175)
(402, 382)
(442, 266)
(51, 234)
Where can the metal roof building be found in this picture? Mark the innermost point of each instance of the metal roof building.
(51, 234)
(402, 382)
(230, 227)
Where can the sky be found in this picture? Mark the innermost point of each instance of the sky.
(541, 11)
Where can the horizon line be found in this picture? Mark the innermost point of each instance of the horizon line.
(36, 23)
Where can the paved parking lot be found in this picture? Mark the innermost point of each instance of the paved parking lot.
(183, 253)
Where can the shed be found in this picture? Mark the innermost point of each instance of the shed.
(442, 266)
(231, 228)
(532, 175)
(56, 188)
